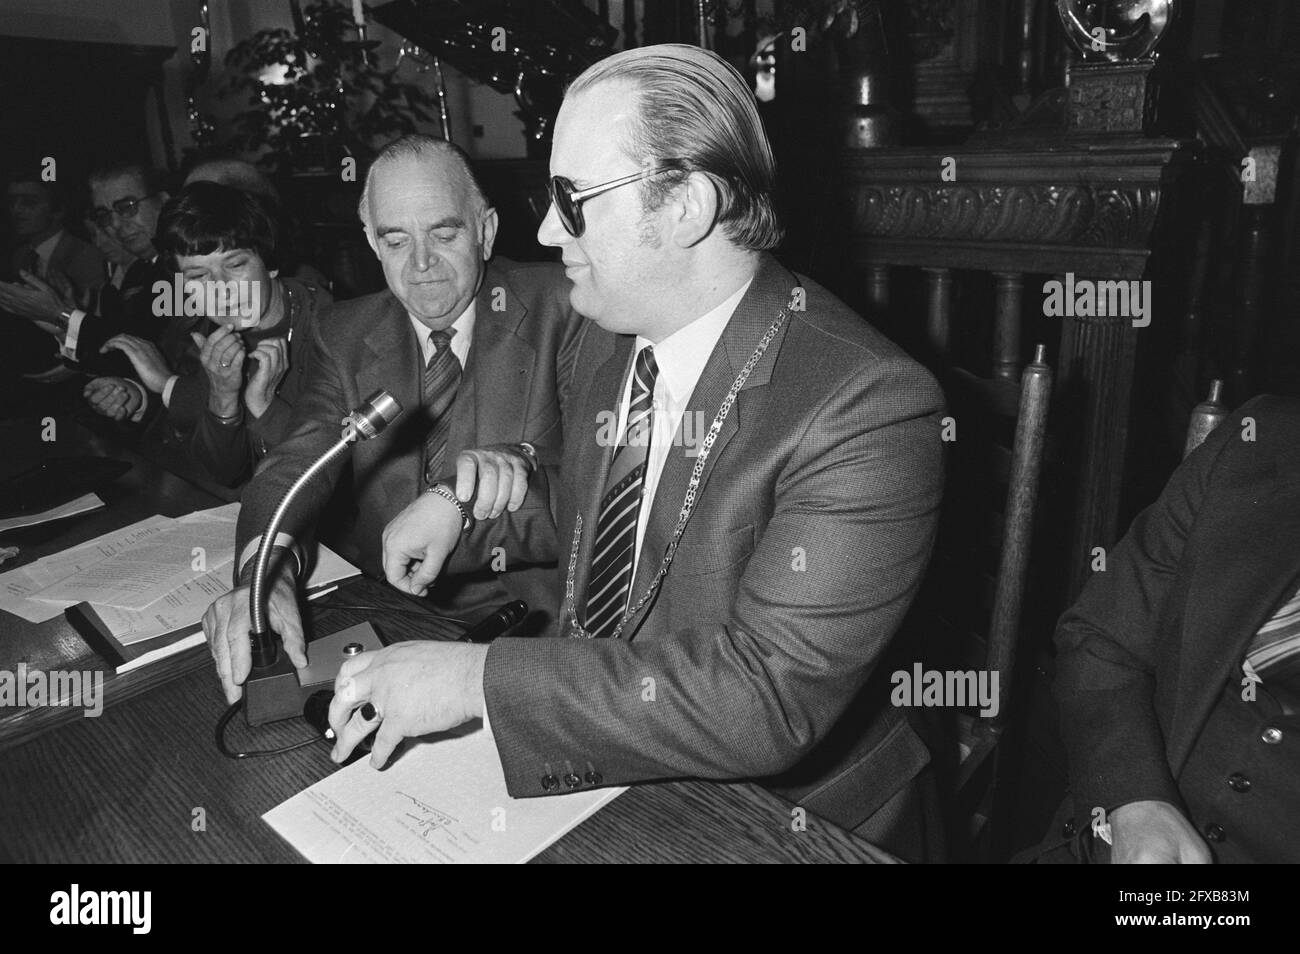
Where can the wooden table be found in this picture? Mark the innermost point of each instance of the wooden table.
(123, 787)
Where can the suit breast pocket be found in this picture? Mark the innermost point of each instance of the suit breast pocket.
(714, 553)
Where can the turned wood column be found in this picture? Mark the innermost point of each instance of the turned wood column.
(1096, 384)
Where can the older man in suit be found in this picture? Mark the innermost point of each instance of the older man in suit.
(1178, 667)
(746, 504)
(475, 352)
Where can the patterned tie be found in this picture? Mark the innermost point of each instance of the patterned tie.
(441, 378)
(1274, 652)
(615, 548)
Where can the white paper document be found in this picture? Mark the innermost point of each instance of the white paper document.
(83, 504)
(144, 571)
(18, 586)
(443, 801)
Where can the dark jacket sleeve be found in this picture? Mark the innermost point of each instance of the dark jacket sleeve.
(317, 414)
(1108, 645)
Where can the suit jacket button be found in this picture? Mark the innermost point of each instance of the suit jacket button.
(1214, 832)
(594, 777)
(550, 783)
(1238, 782)
(1271, 736)
(571, 780)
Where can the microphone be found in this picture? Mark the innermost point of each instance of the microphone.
(496, 624)
(272, 690)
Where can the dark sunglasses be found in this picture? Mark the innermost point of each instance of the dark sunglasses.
(568, 200)
(126, 208)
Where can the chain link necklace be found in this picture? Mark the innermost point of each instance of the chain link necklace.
(569, 611)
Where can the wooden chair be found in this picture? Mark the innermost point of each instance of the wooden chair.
(969, 613)
(1206, 416)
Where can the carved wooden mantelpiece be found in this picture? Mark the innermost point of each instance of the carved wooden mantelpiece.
(1086, 210)
(1034, 208)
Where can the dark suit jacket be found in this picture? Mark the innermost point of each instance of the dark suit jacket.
(74, 259)
(811, 531)
(128, 310)
(1144, 654)
(509, 392)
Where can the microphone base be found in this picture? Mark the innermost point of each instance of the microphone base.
(271, 692)
(279, 691)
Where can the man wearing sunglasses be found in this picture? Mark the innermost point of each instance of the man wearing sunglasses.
(744, 549)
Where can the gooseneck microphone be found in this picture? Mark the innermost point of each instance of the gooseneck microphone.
(375, 413)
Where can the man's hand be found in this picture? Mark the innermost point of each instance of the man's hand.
(34, 299)
(272, 356)
(114, 398)
(226, 625)
(416, 688)
(150, 365)
(1153, 832)
(494, 477)
(418, 541)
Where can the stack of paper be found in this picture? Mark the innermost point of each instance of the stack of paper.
(154, 578)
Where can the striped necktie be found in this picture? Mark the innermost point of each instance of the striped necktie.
(441, 378)
(1273, 653)
(614, 551)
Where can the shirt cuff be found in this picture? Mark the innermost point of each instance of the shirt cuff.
(167, 390)
(74, 330)
(487, 724)
(144, 401)
(282, 539)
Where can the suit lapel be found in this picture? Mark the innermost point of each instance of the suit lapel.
(492, 400)
(592, 458)
(1252, 567)
(392, 346)
(767, 295)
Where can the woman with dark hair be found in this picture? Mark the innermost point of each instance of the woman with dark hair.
(253, 327)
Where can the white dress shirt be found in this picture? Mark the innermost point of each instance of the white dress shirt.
(460, 341)
(680, 358)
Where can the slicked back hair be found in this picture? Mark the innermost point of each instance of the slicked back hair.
(417, 146)
(695, 113)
